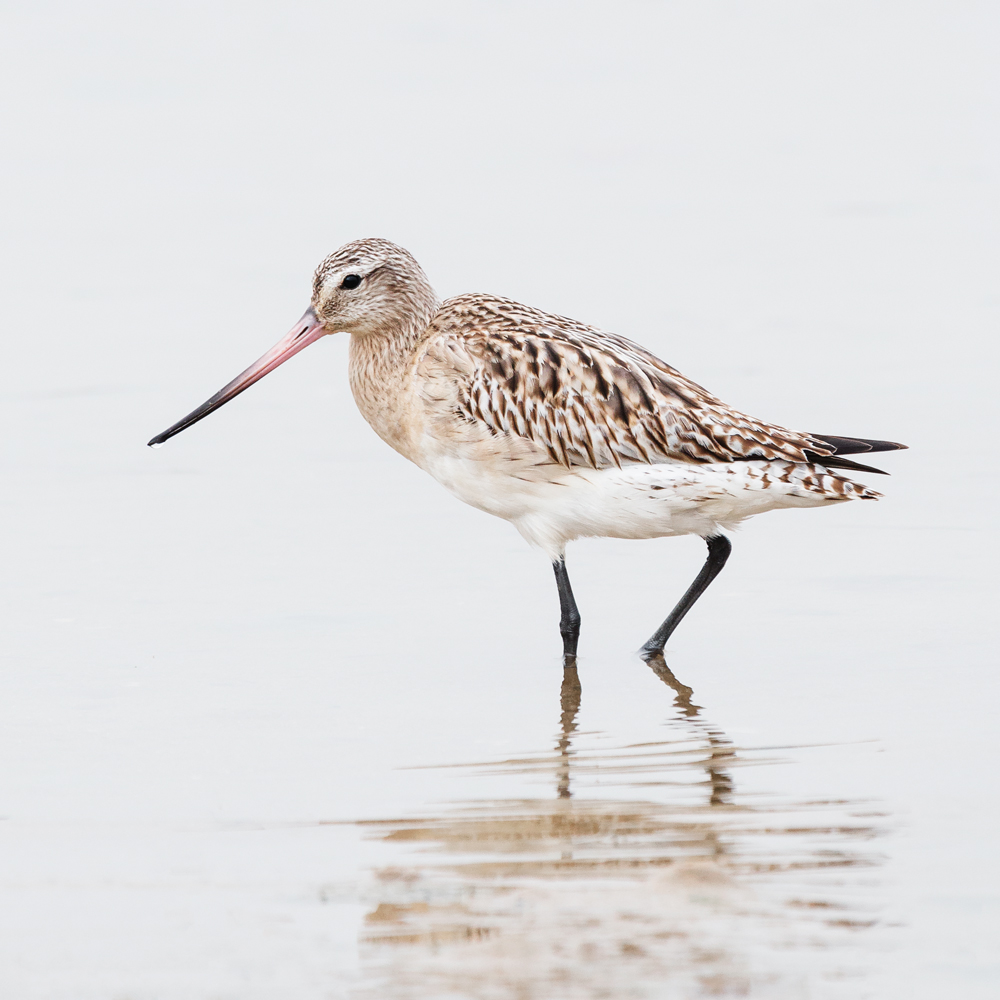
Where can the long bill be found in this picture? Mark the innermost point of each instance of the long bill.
(308, 329)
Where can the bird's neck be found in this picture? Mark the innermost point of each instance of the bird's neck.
(381, 369)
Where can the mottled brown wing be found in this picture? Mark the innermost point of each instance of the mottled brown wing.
(589, 398)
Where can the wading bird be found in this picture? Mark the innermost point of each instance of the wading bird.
(560, 428)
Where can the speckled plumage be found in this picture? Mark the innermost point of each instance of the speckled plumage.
(562, 429)
(518, 411)
(594, 399)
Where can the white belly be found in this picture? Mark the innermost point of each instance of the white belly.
(551, 506)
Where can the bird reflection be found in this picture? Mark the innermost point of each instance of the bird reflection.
(569, 706)
(684, 880)
(720, 747)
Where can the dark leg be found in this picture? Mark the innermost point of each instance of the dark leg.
(569, 615)
(718, 552)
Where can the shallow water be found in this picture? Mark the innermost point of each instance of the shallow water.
(279, 718)
(639, 870)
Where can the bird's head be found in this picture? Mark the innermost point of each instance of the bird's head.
(367, 288)
(371, 286)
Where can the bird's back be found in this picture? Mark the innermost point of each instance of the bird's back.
(588, 398)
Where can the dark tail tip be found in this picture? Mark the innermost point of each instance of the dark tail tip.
(854, 446)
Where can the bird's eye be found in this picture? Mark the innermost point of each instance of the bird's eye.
(351, 281)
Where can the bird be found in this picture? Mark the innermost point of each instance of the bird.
(560, 428)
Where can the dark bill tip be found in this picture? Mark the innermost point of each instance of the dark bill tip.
(306, 331)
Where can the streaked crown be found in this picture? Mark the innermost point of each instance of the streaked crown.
(372, 286)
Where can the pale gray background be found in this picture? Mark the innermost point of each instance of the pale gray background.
(795, 204)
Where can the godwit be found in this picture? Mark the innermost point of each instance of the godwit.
(560, 428)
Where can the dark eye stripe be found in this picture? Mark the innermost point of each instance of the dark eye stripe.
(351, 281)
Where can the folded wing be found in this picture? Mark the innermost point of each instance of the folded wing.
(596, 400)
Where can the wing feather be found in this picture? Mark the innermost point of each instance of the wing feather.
(592, 399)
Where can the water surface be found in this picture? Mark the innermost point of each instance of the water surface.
(281, 719)
(640, 871)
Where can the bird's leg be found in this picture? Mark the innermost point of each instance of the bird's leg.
(719, 548)
(569, 614)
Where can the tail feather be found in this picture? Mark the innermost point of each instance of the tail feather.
(850, 446)
(836, 462)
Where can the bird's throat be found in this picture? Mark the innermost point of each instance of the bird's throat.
(380, 368)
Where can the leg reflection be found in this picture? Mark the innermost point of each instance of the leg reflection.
(721, 751)
(569, 704)
(659, 667)
(720, 748)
